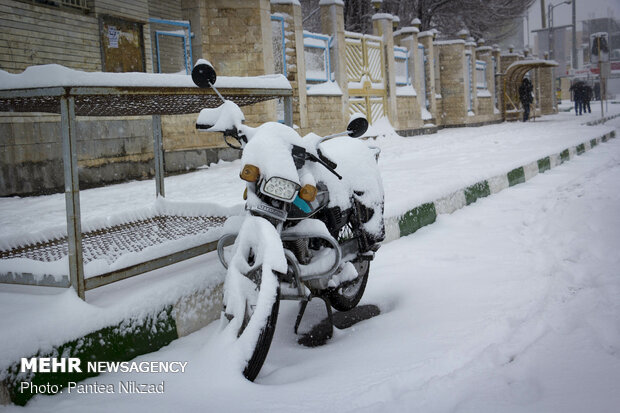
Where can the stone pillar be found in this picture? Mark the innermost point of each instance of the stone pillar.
(236, 39)
(453, 85)
(547, 91)
(332, 23)
(470, 48)
(290, 10)
(426, 40)
(486, 101)
(497, 77)
(194, 11)
(408, 37)
(382, 27)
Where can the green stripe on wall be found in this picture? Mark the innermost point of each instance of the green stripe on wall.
(417, 218)
(477, 190)
(121, 342)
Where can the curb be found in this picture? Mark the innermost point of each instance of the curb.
(132, 337)
(602, 120)
(426, 214)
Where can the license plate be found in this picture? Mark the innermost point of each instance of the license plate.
(270, 211)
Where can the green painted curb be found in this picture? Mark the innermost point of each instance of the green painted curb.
(544, 164)
(416, 218)
(593, 143)
(477, 190)
(564, 156)
(516, 176)
(581, 149)
(121, 342)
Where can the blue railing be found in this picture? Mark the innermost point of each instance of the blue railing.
(280, 20)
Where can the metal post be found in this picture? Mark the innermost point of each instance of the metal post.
(575, 57)
(158, 151)
(600, 75)
(72, 193)
(288, 111)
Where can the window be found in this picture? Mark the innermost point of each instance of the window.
(317, 57)
(481, 74)
(401, 62)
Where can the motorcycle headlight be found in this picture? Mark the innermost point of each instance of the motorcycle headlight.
(281, 188)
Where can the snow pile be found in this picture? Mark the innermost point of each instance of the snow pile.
(54, 75)
(511, 304)
(324, 89)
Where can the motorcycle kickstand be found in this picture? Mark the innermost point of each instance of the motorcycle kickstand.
(330, 317)
(302, 309)
(328, 306)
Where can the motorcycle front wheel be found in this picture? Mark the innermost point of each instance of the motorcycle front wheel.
(347, 295)
(265, 337)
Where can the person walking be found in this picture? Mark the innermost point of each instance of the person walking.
(587, 97)
(577, 90)
(525, 96)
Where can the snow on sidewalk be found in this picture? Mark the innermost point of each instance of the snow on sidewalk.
(510, 305)
(415, 170)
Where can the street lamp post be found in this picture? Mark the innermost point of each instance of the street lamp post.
(550, 17)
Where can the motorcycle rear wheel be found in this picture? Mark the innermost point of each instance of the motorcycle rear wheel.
(347, 295)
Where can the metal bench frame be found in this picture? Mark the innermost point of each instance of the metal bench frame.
(71, 102)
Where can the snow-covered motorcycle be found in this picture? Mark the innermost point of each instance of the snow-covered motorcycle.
(314, 219)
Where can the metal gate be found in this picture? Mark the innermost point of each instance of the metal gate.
(365, 72)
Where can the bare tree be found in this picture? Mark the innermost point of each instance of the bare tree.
(481, 17)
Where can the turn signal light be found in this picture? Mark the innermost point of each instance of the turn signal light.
(250, 173)
(308, 193)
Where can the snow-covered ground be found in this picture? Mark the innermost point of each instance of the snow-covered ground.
(509, 305)
(414, 170)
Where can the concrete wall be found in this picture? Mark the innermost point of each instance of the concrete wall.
(110, 150)
(36, 35)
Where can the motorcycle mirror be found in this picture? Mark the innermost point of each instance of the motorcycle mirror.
(358, 125)
(203, 74)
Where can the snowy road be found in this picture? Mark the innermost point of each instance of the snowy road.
(511, 304)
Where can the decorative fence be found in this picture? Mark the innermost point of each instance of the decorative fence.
(365, 65)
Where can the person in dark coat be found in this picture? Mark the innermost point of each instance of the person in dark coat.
(587, 97)
(578, 91)
(525, 96)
